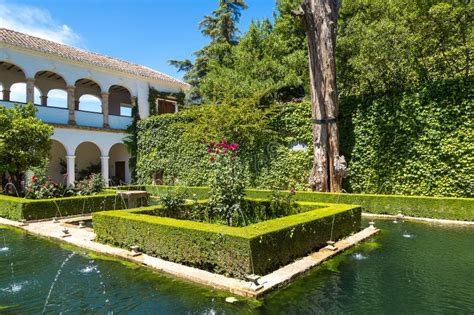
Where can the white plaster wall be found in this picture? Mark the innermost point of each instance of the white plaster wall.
(71, 138)
(99, 143)
(32, 62)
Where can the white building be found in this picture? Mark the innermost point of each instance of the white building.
(87, 97)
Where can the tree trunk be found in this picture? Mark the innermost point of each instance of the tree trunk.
(320, 21)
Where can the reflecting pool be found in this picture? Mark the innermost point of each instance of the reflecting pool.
(408, 268)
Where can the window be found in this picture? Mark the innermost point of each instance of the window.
(165, 106)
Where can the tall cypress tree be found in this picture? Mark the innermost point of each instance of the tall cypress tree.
(221, 27)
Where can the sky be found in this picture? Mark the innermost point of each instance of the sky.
(147, 32)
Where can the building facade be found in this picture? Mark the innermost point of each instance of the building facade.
(87, 97)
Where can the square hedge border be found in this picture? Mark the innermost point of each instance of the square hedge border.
(450, 208)
(254, 249)
(15, 208)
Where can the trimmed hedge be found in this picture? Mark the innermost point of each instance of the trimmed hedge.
(257, 248)
(20, 208)
(417, 206)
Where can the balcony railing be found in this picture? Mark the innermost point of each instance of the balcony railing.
(57, 115)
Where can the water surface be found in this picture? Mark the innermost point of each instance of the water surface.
(409, 268)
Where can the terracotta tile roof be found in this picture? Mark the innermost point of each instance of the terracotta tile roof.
(49, 47)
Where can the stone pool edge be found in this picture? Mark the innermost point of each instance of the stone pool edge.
(84, 238)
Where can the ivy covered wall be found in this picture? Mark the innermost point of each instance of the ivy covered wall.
(163, 147)
(418, 143)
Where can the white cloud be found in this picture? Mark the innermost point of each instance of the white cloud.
(37, 22)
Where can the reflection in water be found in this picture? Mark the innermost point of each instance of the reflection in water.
(428, 274)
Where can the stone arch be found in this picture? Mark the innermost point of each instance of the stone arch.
(119, 169)
(57, 98)
(57, 168)
(10, 74)
(87, 159)
(89, 103)
(120, 101)
(18, 93)
(89, 93)
(48, 81)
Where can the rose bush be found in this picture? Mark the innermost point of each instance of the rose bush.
(43, 187)
(226, 180)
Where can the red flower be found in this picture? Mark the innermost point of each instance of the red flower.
(212, 158)
(210, 151)
(217, 151)
(34, 178)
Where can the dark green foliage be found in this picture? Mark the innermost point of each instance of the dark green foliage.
(175, 145)
(221, 28)
(42, 187)
(251, 211)
(417, 206)
(92, 184)
(405, 89)
(411, 143)
(172, 200)
(416, 143)
(18, 208)
(89, 171)
(258, 248)
(24, 139)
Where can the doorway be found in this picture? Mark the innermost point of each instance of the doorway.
(120, 170)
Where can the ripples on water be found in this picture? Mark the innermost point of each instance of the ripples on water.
(428, 274)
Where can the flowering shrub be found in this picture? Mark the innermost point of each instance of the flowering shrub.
(90, 185)
(226, 182)
(43, 187)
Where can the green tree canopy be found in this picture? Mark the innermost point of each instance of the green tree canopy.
(222, 29)
(24, 139)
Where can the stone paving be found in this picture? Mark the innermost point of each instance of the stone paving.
(84, 238)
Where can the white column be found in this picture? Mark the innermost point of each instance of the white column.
(104, 163)
(71, 169)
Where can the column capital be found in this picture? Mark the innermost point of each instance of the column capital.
(104, 93)
(104, 157)
(30, 80)
(70, 157)
(71, 87)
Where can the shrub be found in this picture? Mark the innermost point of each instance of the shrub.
(42, 187)
(257, 248)
(172, 200)
(226, 186)
(15, 208)
(92, 184)
(417, 206)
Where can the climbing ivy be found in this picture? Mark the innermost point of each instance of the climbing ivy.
(415, 143)
(164, 145)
